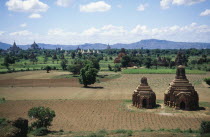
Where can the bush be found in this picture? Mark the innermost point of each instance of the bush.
(43, 115)
(120, 131)
(207, 80)
(102, 132)
(48, 68)
(2, 100)
(109, 67)
(40, 131)
(205, 127)
(3, 121)
(117, 67)
(54, 68)
(75, 68)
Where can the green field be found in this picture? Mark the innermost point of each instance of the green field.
(159, 71)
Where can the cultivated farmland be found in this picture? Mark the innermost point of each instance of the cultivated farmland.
(101, 107)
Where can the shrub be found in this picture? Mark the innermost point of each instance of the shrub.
(117, 67)
(2, 100)
(120, 131)
(40, 131)
(102, 132)
(110, 67)
(75, 68)
(48, 68)
(3, 121)
(54, 68)
(205, 127)
(43, 115)
(207, 80)
(129, 133)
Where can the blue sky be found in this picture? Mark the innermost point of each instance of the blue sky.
(108, 21)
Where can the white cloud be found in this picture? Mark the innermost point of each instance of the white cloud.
(59, 32)
(205, 13)
(186, 2)
(99, 6)
(91, 31)
(23, 25)
(1, 33)
(166, 3)
(142, 7)
(21, 33)
(139, 29)
(113, 34)
(110, 30)
(26, 6)
(35, 16)
(64, 3)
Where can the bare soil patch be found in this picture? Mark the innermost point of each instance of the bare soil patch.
(93, 115)
(114, 89)
(73, 82)
(32, 75)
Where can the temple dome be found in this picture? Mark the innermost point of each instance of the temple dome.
(143, 96)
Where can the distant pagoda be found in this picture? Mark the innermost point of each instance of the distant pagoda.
(181, 94)
(14, 49)
(108, 47)
(34, 46)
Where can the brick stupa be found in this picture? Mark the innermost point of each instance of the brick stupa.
(143, 96)
(180, 93)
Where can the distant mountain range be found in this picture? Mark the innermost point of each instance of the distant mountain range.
(146, 44)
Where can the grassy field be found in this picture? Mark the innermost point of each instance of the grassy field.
(26, 65)
(159, 71)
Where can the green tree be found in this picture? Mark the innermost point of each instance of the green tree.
(64, 63)
(73, 55)
(48, 68)
(33, 58)
(57, 60)
(110, 67)
(148, 62)
(43, 116)
(125, 61)
(45, 59)
(79, 55)
(122, 50)
(75, 68)
(155, 63)
(117, 67)
(62, 56)
(88, 75)
(95, 63)
(7, 61)
(54, 58)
